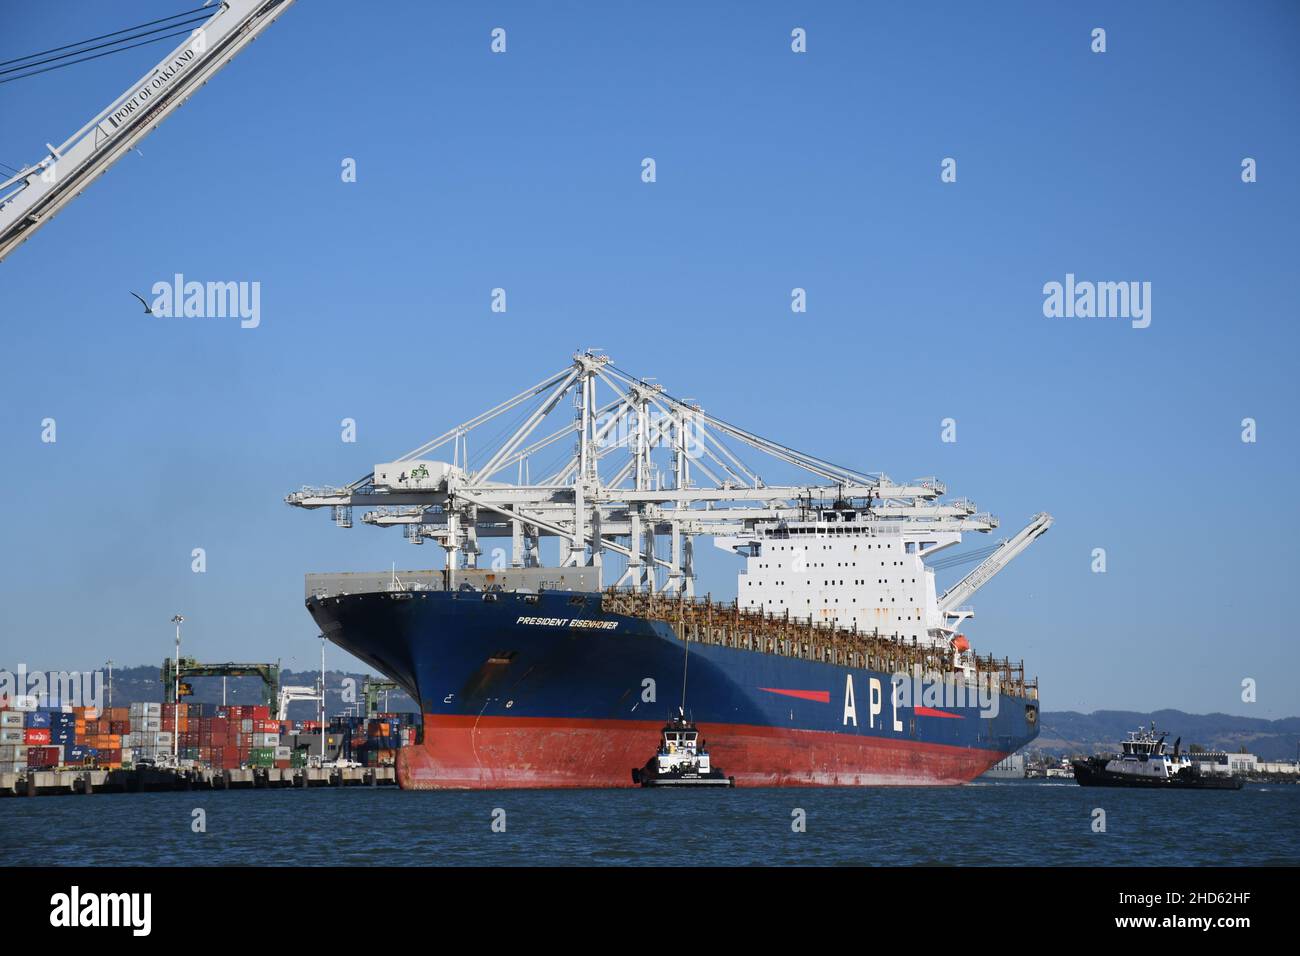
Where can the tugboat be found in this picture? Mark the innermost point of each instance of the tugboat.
(681, 761)
(1143, 762)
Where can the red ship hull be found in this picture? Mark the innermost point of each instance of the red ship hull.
(462, 752)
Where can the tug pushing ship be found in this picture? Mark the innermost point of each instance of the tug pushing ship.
(682, 760)
(838, 663)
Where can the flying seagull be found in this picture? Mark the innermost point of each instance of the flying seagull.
(147, 310)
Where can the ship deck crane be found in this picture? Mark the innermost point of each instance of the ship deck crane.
(642, 475)
(37, 192)
(952, 599)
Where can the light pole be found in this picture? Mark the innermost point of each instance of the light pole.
(110, 683)
(321, 712)
(176, 695)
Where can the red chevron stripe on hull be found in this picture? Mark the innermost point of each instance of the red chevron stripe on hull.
(461, 752)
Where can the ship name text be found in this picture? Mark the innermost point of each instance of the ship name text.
(577, 622)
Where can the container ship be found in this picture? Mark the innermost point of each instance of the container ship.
(839, 663)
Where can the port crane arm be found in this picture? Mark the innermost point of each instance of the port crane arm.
(646, 474)
(984, 572)
(31, 198)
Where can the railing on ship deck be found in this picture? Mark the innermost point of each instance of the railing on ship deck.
(728, 625)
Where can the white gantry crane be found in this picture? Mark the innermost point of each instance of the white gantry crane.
(635, 475)
(37, 192)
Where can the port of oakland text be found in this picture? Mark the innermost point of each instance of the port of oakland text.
(155, 84)
(569, 622)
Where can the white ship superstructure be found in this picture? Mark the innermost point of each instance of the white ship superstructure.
(843, 567)
(845, 572)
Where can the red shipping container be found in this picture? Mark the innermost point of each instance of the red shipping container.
(259, 712)
(43, 756)
(36, 735)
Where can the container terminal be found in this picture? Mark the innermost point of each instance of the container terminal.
(50, 748)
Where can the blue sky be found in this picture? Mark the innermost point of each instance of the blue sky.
(775, 170)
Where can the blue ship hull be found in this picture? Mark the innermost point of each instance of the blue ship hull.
(549, 690)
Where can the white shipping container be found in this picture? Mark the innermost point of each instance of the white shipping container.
(153, 724)
(13, 766)
(13, 752)
(164, 738)
(11, 735)
(146, 709)
(283, 753)
(11, 718)
(266, 740)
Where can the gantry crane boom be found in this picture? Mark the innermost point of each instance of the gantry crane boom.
(643, 465)
(1007, 552)
(31, 198)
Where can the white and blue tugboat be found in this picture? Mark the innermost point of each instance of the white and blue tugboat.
(682, 760)
(1144, 762)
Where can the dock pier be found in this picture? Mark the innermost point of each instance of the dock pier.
(48, 783)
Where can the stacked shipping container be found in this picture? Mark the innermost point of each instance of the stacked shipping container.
(221, 737)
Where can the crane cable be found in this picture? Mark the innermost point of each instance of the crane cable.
(204, 13)
(954, 560)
